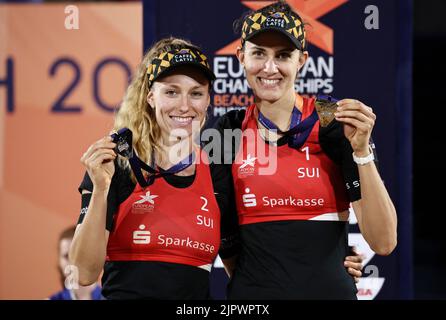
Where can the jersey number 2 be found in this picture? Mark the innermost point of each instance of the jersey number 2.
(205, 204)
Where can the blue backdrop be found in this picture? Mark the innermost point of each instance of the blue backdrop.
(348, 60)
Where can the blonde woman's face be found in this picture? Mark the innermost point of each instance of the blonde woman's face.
(271, 63)
(180, 100)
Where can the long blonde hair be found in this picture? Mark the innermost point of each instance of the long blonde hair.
(135, 112)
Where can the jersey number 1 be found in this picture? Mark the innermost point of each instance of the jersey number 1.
(307, 153)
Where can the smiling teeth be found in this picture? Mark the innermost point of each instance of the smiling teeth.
(182, 119)
(270, 82)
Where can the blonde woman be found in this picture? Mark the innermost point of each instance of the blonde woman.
(155, 239)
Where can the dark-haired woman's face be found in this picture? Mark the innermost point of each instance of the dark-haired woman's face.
(271, 63)
(180, 100)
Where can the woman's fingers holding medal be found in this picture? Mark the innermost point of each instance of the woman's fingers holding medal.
(351, 108)
(103, 145)
(358, 120)
(101, 156)
(98, 160)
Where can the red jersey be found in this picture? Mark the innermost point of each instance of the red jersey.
(274, 183)
(168, 224)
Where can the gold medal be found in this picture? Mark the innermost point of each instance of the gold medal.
(326, 107)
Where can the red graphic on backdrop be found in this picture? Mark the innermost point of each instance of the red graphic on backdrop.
(318, 34)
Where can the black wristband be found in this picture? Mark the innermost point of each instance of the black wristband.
(85, 201)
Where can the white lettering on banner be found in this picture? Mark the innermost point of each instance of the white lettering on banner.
(203, 221)
(231, 86)
(319, 69)
(230, 80)
(290, 201)
(223, 64)
(231, 89)
(369, 287)
(308, 173)
(358, 241)
(313, 86)
(187, 242)
(316, 76)
(352, 216)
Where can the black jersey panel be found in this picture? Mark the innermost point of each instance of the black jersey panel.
(154, 280)
(293, 260)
